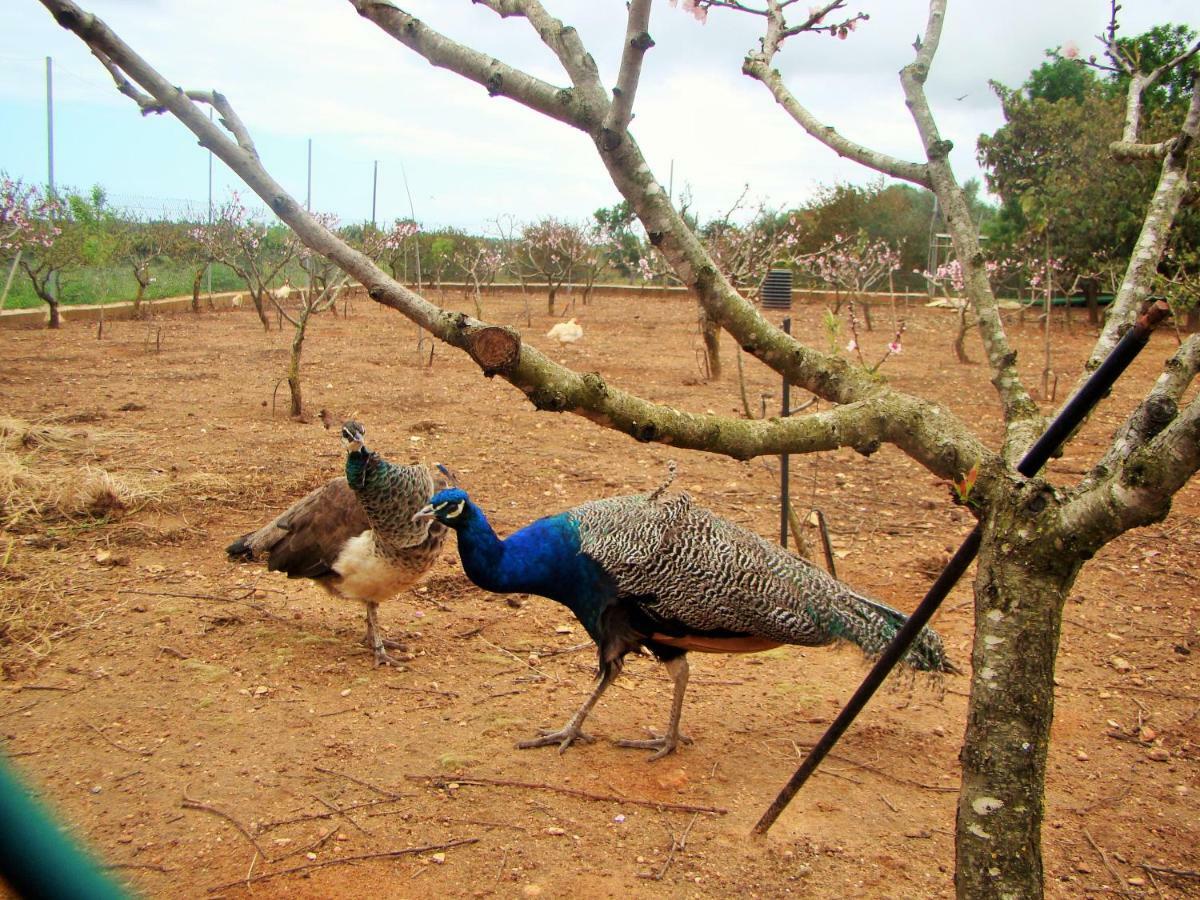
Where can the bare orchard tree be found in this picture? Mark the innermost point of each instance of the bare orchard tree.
(482, 262)
(254, 250)
(1035, 538)
(141, 245)
(326, 283)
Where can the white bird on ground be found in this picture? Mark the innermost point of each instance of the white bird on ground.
(567, 332)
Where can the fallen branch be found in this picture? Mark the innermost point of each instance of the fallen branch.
(1122, 885)
(279, 823)
(677, 844)
(403, 687)
(1165, 870)
(189, 803)
(345, 860)
(120, 747)
(391, 795)
(442, 781)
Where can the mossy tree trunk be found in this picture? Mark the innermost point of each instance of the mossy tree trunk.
(1022, 582)
(41, 277)
(293, 377)
(196, 279)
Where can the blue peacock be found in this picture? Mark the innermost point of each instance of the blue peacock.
(657, 571)
(358, 536)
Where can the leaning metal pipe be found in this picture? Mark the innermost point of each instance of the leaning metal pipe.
(1063, 425)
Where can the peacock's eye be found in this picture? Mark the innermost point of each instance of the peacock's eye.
(449, 510)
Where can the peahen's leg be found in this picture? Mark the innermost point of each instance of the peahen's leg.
(573, 730)
(667, 743)
(378, 644)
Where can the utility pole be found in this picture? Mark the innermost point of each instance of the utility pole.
(374, 191)
(208, 268)
(50, 122)
(53, 286)
(308, 195)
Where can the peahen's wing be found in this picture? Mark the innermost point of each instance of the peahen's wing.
(308, 537)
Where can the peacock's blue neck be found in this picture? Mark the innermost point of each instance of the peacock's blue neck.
(542, 558)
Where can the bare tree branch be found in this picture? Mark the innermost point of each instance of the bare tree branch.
(1169, 193)
(872, 414)
(1155, 412)
(758, 65)
(499, 79)
(637, 42)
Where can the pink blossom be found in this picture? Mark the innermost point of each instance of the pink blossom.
(1070, 50)
(894, 347)
(852, 346)
(693, 7)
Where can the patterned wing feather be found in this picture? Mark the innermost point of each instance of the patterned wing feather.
(696, 573)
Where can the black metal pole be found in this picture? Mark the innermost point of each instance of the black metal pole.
(1067, 421)
(784, 459)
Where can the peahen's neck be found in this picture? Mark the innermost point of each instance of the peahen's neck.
(391, 496)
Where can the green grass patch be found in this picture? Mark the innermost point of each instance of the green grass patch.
(117, 285)
(456, 761)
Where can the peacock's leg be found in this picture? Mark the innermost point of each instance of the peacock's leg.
(669, 742)
(378, 644)
(573, 730)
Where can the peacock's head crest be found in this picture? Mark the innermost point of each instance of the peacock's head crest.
(448, 506)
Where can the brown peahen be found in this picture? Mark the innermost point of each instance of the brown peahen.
(358, 536)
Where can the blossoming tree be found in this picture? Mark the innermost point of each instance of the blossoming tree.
(30, 227)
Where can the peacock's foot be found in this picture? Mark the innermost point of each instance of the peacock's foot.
(383, 658)
(665, 744)
(564, 737)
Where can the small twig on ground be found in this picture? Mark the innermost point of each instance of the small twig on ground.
(20, 709)
(333, 807)
(475, 631)
(523, 662)
(888, 803)
(120, 747)
(278, 823)
(1165, 870)
(391, 795)
(442, 781)
(337, 712)
(678, 844)
(1122, 885)
(345, 860)
(150, 867)
(189, 803)
(309, 848)
(573, 649)
(404, 687)
(70, 689)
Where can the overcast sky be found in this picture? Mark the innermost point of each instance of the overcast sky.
(301, 69)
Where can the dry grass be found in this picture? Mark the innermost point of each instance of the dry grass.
(56, 480)
(52, 474)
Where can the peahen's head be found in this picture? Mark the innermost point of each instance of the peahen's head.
(449, 507)
(358, 457)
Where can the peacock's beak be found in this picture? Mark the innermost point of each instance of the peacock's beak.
(425, 512)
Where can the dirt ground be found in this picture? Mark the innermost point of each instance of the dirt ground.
(200, 723)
